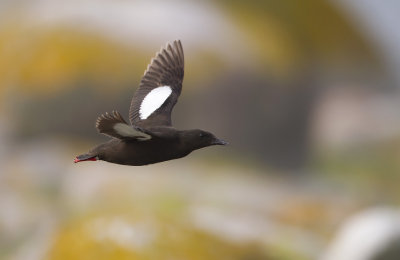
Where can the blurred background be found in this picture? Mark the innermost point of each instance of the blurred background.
(306, 92)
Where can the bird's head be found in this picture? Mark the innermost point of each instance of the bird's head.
(200, 138)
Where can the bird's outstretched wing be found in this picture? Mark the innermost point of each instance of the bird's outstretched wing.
(115, 126)
(159, 88)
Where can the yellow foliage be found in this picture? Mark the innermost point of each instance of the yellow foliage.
(287, 34)
(124, 237)
(40, 60)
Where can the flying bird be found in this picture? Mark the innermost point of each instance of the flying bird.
(150, 137)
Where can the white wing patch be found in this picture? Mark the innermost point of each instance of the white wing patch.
(154, 101)
(128, 131)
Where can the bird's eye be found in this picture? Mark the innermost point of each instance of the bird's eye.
(201, 135)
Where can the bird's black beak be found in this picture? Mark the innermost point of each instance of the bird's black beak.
(219, 142)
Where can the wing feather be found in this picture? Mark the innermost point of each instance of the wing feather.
(166, 69)
(114, 125)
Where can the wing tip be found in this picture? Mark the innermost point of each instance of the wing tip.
(175, 49)
(176, 45)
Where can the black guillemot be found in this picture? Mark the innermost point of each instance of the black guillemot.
(150, 137)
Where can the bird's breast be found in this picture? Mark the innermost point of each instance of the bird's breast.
(145, 152)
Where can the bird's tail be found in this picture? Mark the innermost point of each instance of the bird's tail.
(85, 157)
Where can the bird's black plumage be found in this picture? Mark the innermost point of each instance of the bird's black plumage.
(150, 138)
